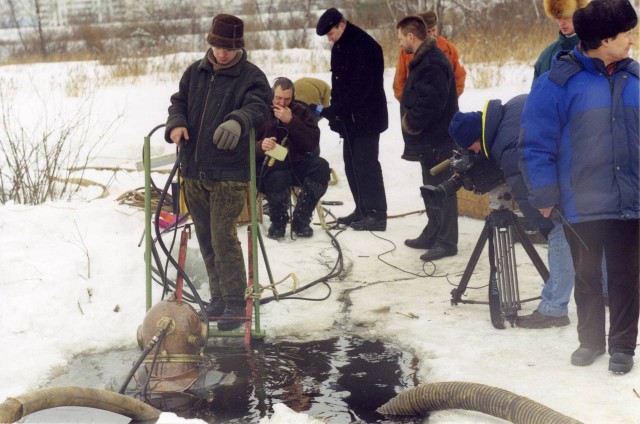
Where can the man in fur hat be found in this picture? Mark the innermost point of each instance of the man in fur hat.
(428, 102)
(220, 98)
(562, 12)
(580, 154)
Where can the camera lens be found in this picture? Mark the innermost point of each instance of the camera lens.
(450, 187)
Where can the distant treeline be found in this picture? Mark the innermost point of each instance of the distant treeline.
(487, 31)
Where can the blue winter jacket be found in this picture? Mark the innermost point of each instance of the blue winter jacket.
(579, 139)
(500, 131)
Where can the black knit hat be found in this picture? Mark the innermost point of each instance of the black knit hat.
(328, 20)
(602, 19)
(226, 32)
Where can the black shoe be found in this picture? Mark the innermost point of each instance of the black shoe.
(215, 308)
(370, 224)
(352, 217)
(233, 317)
(620, 363)
(422, 242)
(538, 320)
(301, 228)
(584, 356)
(276, 231)
(438, 253)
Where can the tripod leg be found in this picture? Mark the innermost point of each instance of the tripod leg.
(456, 294)
(507, 273)
(531, 251)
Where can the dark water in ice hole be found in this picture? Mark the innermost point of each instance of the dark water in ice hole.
(339, 380)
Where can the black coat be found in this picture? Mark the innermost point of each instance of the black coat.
(429, 101)
(357, 92)
(205, 100)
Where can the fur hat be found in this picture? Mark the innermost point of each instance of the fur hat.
(603, 19)
(226, 32)
(466, 128)
(556, 9)
(430, 18)
(329, 19)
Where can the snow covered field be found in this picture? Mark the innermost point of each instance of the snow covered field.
(48, 316)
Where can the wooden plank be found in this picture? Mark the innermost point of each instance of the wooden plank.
(473, 205)
(245, 216)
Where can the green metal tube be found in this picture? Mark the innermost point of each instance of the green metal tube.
(146, 158)
(264, 256)
(254, 226)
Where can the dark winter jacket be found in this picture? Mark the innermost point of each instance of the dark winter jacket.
(429, 101)
(579, 139)
(303, 133)
(357, 92)
(500, 131)
(546, 58)
(205, 100)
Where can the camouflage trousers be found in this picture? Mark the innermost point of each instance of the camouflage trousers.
(215, 208)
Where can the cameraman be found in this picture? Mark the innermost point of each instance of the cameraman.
(497, 138)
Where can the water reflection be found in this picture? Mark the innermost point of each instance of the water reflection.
(339, 380)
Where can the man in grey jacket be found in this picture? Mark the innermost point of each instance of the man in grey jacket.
(220, 98)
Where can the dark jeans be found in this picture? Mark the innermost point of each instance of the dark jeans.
(215, 208)
(442, 225)
(282, 175)
(618, 239)
(364, 174)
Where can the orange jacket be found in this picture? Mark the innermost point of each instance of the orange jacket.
(402, 70)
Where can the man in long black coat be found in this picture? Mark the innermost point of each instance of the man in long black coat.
(428, 103)
(358, 112)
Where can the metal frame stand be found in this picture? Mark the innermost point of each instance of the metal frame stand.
(502, 227)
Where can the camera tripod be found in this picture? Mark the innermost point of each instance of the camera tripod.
(501, 229)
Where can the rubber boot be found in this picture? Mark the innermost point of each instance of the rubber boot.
(278, 213)
(233, 316)
(215, 308)
(423, 241)
(311, 194)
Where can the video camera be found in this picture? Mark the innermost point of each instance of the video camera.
(474, 172)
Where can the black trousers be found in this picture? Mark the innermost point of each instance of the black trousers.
(442, 225)
(618, 239)
(364, 174)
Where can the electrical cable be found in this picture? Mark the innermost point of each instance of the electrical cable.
(335, 271)
(145, 386)
(170, 258)
(168, 253)
(141, 358)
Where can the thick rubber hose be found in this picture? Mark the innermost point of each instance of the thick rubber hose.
(473, 397)
(13, 409)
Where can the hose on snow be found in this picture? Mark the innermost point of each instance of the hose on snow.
(473, 397)
(15, 408)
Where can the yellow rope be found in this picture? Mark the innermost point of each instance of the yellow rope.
(249, 293)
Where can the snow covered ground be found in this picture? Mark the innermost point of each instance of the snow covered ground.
(66, 266)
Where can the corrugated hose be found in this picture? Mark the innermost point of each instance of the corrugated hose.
(473, 397)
